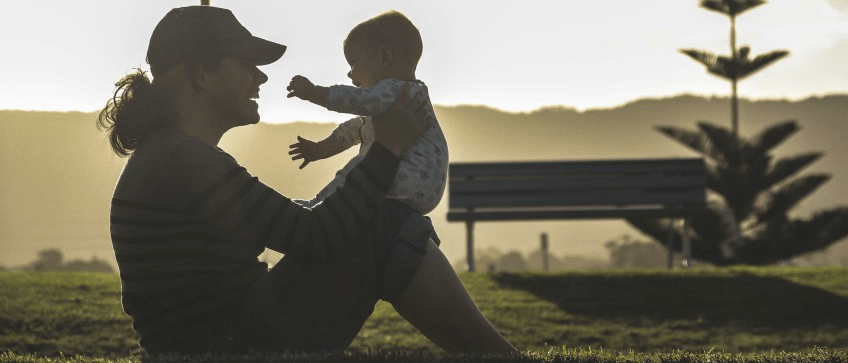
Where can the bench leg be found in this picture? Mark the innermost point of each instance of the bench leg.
(469, 246)
(687, 246)
(670, 260)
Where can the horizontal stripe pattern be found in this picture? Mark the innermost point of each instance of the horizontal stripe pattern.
(188, 223)
(240, 207)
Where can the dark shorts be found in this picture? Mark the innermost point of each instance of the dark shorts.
(300, 306)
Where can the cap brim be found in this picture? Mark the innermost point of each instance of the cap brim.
(256, 50)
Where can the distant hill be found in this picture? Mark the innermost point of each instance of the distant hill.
(57, 173)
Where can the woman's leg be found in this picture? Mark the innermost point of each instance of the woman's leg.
(309, 307)
(438, 305)
(303, 306)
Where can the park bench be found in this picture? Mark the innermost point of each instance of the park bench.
(584, 189)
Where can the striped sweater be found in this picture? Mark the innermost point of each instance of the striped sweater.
(188, 222)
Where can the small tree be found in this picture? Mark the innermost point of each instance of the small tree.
(750, 195)
(627, 253)
(738, 64)
(512, 261)
(50, 259)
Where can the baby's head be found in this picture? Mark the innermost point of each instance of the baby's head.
(385, 46)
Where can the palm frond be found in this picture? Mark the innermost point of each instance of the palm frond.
(716, 65)
(721, 139)
(788, 195)
(826, 227)
(785, 238)
(731, 68)
(786, 167)
(773, 136)
(731, 7)
(694, 140)
(741, 68)
(708, 59)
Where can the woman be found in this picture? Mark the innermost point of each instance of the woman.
(188, 222)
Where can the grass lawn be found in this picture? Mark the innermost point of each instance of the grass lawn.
(709, 315)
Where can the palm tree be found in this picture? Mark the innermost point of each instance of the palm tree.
(738, 65)
(750, 194)
(748, 221)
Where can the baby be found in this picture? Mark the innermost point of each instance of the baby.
(383, 53)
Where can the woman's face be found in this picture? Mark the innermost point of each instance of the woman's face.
(233, 88)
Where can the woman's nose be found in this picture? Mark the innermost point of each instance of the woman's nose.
(349, 74)
(262, 76)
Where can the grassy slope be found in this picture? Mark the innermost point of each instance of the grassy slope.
(814, 355)
(733, 310)
(727, 310)
(75, 313)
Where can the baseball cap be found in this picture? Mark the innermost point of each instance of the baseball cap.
(194, 33)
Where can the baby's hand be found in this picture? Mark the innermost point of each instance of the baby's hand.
(300, 87)
(304, 149)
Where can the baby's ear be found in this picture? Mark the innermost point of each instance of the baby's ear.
(387, 55)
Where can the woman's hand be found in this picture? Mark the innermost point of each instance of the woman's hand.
(400, 125)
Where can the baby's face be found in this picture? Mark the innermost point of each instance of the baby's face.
(364, 64)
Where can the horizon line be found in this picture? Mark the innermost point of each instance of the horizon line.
(539, 108)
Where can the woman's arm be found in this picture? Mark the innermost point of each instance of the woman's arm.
(236, 205)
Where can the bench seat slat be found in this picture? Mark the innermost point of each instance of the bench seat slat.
(622, 166)
(575, 183)
(600, 213)
(575, 199)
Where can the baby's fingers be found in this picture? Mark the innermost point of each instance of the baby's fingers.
(299, 144)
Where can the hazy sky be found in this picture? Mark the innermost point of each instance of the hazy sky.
(513, 55)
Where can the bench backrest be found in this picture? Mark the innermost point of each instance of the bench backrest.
(577, 189)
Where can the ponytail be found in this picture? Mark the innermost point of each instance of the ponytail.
(137, 109)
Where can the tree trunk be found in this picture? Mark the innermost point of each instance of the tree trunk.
(734, 101)
(734, 111)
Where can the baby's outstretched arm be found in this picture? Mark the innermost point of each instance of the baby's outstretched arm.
(301, 87)
(311, 151)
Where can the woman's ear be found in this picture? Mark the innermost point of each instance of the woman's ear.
(200, 77)
(387, 55)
